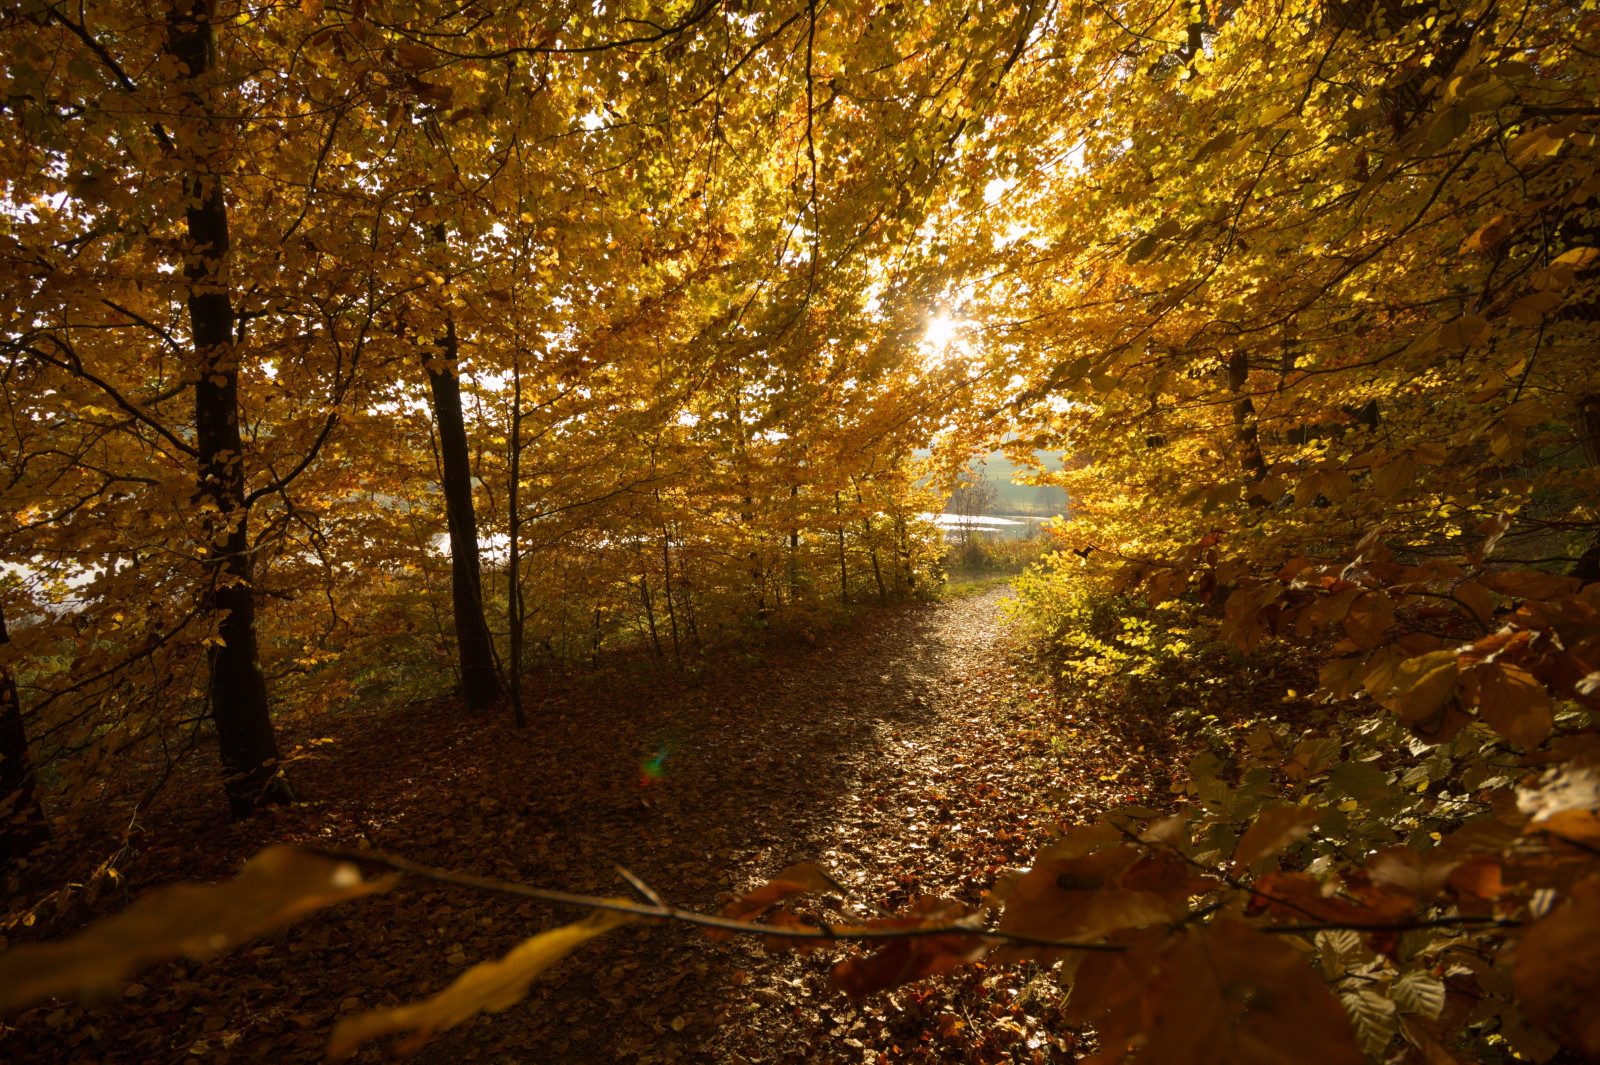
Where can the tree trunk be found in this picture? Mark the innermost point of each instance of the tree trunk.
(480, 682)
(872, 548)
(844, 574)
(22, 824)
(1244, 421)
(516, 607)
(794, 552)
(1587, 568)
(666, 575)
(650, 614)
(238, 689)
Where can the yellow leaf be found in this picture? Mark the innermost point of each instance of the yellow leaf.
(1487, 236)
(275, 887)
(489, 986)
(1577, 258)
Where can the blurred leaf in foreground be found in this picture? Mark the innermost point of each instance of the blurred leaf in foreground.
(277, 886)
(488, 987)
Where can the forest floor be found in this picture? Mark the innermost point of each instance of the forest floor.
(920, 751)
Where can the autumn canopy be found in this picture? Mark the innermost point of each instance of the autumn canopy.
(358, 354)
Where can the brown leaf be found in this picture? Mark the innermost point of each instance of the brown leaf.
(1403, 871)
(1222, 993)
(798, 879)
(1577, 828)
(1299, 898)
(487, 987)
(1368, 618)
(1557, 970)
(1394, 476)
(1477, 602)
(1514, 704)
(277, 886)
(900, 961)
(1081, 898)
(1478, 876)
(1531, 309)
(1529, 584)
(905, 960)
(1274, 830)
(1421, 685)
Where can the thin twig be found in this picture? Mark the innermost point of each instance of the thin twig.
(702, 920)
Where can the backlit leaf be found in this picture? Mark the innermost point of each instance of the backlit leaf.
(1557, 970)
(1274, 830)
(487, 987)
(277, 886)
(1514, 704)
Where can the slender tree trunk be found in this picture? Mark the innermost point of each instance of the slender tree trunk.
(480, 683)
(666, 571)
(515, 605)
(650, 613)
(872, 551)
(747, 517)
(903, 547)
(844, 574)
(690, 617)
(238, 689)
(1244, 421)
(1587, 568)
(794, 552)
(22, 824)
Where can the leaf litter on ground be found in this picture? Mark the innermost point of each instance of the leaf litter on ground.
(922, 753)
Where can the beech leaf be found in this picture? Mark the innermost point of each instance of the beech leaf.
(1421, 685)
(1374, 1018)
(487, 987)
(1274, 830)
(1557, 970)
(1419, 992)
(277, 886)
(1515, 704)
(797, 879)
(1222, 993)
(901, 961)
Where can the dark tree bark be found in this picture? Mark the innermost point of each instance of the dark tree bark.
(844, 574)
(238, 689)
(22, 824)
(1244, 421)
(1587, 568)
(516, 607)
(872, 548)
(480, 681)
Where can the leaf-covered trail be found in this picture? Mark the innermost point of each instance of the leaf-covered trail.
(914, 753)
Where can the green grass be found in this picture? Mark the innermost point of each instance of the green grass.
(961, 585)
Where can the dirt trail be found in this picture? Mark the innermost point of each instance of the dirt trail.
(911, 754)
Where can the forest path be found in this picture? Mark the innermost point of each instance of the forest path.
(917, 751)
